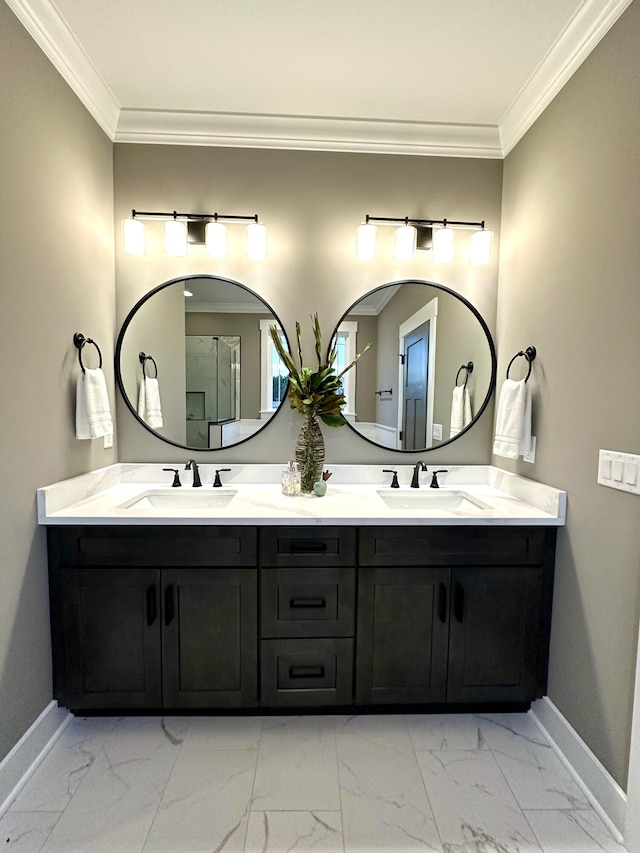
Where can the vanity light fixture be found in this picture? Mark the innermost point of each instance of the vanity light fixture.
(182, 229)
(437, 235)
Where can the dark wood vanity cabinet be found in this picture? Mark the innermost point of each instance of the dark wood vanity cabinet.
(454, 615)
(273, 617)
(147, 618)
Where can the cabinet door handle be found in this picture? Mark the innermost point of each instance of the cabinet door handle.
(442, 602)
(168, 605)
(458, 602)
(152, 608)
(307, 602)
(307, 547)
(308, 671)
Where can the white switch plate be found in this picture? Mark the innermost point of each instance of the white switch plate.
(437, 432)
(531, 455)
(619, 471)
(108, 441)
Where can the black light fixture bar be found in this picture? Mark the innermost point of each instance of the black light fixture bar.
(213, 217)
(426, 222)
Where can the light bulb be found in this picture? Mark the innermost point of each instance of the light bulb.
(175, 238)
(481, 243)
(366, 242)
(444, 248)
(406, 237)
(133, 236)
(215, 240)
(256, 241)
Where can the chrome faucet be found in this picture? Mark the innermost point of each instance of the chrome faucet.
(415, 480)
(196, 474)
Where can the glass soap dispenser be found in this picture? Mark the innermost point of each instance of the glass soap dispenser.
(291, 480)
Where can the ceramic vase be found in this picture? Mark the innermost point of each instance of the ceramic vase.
(310, 453)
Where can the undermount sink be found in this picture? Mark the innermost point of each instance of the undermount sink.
(431, 499)
(213, 499)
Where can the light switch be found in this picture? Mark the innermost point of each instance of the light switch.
(631, 473)
(618, 470)
(605, 469)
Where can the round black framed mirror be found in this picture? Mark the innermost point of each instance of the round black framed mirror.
(195, 363)
(431, 372)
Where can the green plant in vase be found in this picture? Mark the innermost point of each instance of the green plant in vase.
(317, 395)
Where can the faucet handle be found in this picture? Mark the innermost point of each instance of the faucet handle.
(176, 477)
(394, 480)
(434, 479)
(217, 482)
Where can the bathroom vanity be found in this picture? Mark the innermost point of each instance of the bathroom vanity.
(299, 603)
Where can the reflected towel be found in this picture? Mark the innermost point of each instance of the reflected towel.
(513, 421)
(460, 410)
(149, 407)
(93, 415)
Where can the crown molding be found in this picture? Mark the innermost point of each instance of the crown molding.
(48, 29)
(316, 133)
(588, 26)
(307, 133)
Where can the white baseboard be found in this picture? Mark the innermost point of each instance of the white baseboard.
(602, 790)
(22, 761)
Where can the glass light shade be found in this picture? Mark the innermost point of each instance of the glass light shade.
(366, 242)
(215, 240)
(133, 236)
(481, 243)
(444, 248)
(256, 241)
(405, 243)
(175, 238)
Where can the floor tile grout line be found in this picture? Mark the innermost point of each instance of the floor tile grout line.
(424, 785)
(335, 732)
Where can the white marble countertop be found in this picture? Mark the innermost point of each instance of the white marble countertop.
(101, 498)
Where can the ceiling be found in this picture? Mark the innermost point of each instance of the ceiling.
(428, 77)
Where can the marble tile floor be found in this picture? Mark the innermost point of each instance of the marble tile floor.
(328, 784)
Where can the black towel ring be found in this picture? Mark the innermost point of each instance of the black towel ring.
(143, 360)
(79, 341)
(530, 354)
(469, 368)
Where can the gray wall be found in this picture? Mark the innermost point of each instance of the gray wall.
(312, 204)
(56, 274)
(569, 285)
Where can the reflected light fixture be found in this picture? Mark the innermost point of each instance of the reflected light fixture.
(182, 229)
(420, 234)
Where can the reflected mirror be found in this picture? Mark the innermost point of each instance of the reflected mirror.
(195, 363)
(430, 374)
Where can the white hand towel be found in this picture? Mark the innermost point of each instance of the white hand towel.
(93, 415)
(513, 421)
(460, 410)
(149, 407)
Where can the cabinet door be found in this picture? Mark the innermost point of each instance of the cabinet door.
(111, 638)
(402, 637)
(497, 629)
(209, 638)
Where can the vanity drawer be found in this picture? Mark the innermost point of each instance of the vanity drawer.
(308, 602)
(306, 672)
(154, 546)
(293, 547)
(433, 546)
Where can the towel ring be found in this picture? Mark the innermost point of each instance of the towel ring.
(79, 341)
(469, 368)
(530, 354)
(143, 360)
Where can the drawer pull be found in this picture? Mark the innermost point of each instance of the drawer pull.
(307, 602)
(307, 547)
(168, 605)
(307, 671)
(152, 609)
